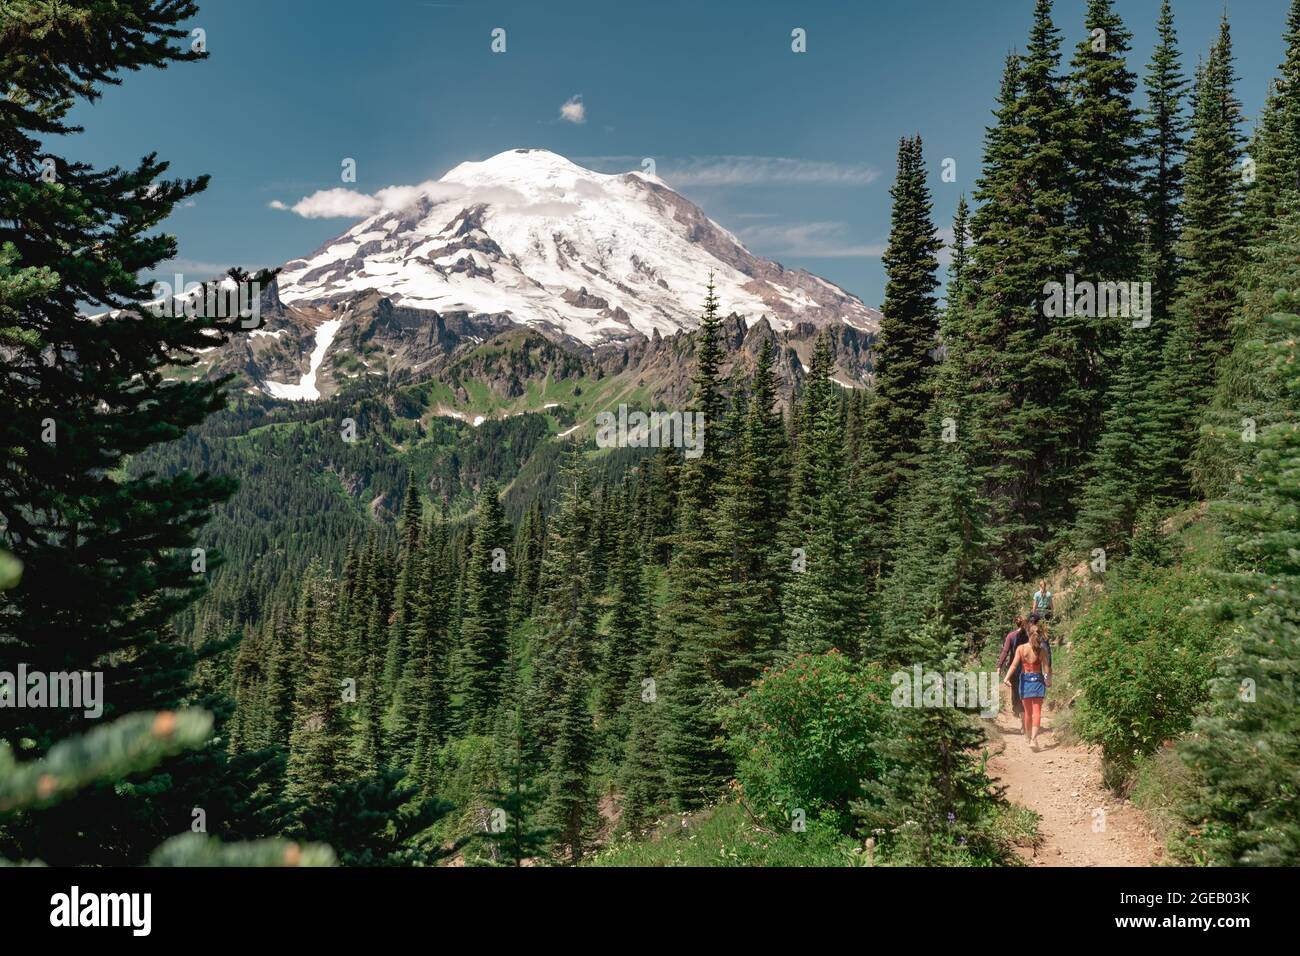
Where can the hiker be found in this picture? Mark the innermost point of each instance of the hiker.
(1043, 601)
(1044, 633)
(1034, 665)
(1013, 640)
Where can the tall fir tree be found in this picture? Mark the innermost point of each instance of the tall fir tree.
(567, 620)
(627, 629)
(1244, 400)
(1210, 251)
(905, 345)
(1031, 399)
(409, 524)
(108, 558)
(932, 800)
(1162, 186)
(318, 741)
(570, 806)
(1107, 200)
(1275, 146)
(751, 501)
(484, 633)
(693, 762)
(821, 580)
(1246, 747)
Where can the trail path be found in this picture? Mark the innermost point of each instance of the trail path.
(1062, 783)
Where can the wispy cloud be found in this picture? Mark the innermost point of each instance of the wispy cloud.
(339, 203)
(746, 170)
(818, 240)
(574, 110)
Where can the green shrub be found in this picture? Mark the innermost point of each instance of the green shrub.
(468, 767)
(1144, 659)
(725, 836)
(804, 737)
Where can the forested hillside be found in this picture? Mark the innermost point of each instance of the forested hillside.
(425, 639)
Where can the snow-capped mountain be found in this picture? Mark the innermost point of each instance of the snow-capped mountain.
(532, 237)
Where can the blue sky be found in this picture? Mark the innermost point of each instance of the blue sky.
(793, 152)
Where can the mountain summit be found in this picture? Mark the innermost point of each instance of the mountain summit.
(532, 237)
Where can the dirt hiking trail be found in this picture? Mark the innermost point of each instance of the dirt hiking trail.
(1062, 784)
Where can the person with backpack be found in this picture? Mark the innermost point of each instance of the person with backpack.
(1043, 601)
(1033, 664)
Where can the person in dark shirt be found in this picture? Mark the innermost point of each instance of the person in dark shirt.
(1013, 640)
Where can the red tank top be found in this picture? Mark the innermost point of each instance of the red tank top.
(1031, 667)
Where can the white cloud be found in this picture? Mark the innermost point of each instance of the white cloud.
(824, 240)
(339, 203)
(574, 110)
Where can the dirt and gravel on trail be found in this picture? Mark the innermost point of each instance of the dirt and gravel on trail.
(1082, 822)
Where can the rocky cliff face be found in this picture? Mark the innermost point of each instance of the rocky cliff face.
(373, 340)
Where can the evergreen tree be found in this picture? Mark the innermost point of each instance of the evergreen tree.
(643, 777)
(933, 800)
(1245, 750)
(1245, 400)
(484, 631)
(530, 546)
(423, 701)
(1123, 473)
(1275, 147)
(820, 595)
(1107, 179)
(707, 397)
(904, 361)
(1210, 251)
(570, 807)
(693, 762)
(941, 572)
(1107, 202)
(371, 756)
(567, 620)
(1162, 187)
(517, 804)
(108, 557)
(751, 501)
(1122, 476)
(951, 384)
(627, 627)
(409, 524)
(1031, 392)
(318, 741)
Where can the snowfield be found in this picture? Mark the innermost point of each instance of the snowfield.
(597, 256)
(306, 389)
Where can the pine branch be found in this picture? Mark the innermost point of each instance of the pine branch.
(127, 746)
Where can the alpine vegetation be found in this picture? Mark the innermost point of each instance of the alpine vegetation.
(636, 429)
(539, 518)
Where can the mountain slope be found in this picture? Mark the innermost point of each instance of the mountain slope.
(596, 257)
